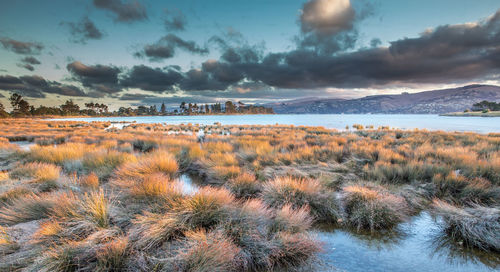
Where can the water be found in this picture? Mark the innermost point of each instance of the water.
(24, 145)
(188, 185)
(417, 247)
(337, 121)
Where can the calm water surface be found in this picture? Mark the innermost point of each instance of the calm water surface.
(337, 121)
(417, 247)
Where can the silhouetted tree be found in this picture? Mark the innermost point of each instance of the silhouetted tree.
(19, 105)
(69, 107)
(163, 108)
(3, 113)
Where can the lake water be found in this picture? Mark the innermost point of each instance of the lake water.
(417, 246)
(336, 121)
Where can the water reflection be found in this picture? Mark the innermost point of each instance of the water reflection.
(189, 186)
(411, 247)
(24, 145)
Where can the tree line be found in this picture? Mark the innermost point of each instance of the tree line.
(486, 106)
(22, 108)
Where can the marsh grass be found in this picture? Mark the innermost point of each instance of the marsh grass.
(114, 207)
(477, 226)
(301, 192)
(245, 185)
(156, 162)
(37, 171)
(372, 209)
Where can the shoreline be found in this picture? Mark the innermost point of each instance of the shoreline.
(472, 114)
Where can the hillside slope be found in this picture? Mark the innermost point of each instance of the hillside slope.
(431, 102)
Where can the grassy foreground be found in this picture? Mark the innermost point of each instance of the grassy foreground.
(89, 199)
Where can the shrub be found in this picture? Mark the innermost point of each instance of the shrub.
(372, 209)
(477, 226)
(299, 193)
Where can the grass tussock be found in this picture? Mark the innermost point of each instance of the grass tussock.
(156, 162)
(372, 209)
(37, 171)
(245, 185)
(477, 226)
(211, 251)
(300, 192)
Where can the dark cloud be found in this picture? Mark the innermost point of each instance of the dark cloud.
(19, 47)
(28, 62)
(174, 20)
(36, 86)
(450, 53)
(26, 66)
(83, 31)
(31, 60)
(135, 96)
(166, 47)
(101, 78)
(152, 79)
(125, 11)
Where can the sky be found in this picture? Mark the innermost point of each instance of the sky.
(132, 52)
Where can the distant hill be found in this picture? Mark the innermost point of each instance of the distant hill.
(431, 102)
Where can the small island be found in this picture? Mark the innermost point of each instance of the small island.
(481, 109)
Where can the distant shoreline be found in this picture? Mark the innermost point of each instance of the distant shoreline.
(473, 114)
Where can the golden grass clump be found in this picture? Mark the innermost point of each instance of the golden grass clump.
(372, 209)
(4, 175)
(59, 154)
(90, 181)
(210, 251)
(205, 208)
(301, 192)
(156, 162)
(245, 185)
(40, 172)
(104, 162)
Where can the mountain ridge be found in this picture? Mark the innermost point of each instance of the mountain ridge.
(426, 102)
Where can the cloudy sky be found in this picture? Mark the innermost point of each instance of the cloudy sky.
(131, 52)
